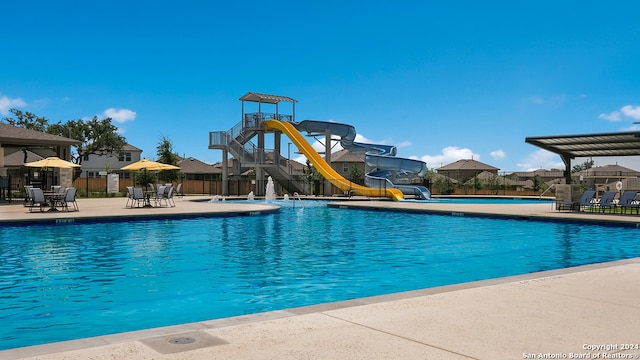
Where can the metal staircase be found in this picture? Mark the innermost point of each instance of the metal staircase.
(237, 141)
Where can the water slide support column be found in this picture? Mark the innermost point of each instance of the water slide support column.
(225, 172)
(328, 187)
(260, 180)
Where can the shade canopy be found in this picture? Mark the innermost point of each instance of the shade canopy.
(266, 98)
(52, 162)
(149, 165)
(589, 145)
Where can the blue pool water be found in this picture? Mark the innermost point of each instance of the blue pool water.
(73, 281)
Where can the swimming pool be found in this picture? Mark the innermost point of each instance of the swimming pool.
(71, 281)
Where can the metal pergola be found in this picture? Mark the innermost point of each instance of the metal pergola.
(588, 145)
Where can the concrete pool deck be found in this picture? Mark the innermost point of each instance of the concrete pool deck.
(591, 309)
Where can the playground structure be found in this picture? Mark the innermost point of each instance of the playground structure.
(383, 171)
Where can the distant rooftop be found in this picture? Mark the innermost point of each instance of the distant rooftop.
(467, 164)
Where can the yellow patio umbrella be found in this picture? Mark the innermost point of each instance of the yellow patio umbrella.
(52, 162)
(145, 164)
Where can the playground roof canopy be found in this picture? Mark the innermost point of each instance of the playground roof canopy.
(266, 98)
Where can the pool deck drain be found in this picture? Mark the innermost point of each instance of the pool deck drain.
(177, 343)
(561, 313)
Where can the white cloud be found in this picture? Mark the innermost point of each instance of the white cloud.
(631, 111)
(612, 116)
(498, 154)
(404, 144)
(120, 115)
(541, 159)
(554, 101)
(6, 104)
(449, 154)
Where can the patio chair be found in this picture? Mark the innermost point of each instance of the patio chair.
(37, 198)
(160, 196)
(137, 197)
(178, 191)
(627, 201)
(129, 196)
(606, 201)
(168, 196)
(69, 198)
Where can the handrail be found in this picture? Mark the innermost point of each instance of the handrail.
(544, 192)
(297, 196)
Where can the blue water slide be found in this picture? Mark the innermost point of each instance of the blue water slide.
(381, 158)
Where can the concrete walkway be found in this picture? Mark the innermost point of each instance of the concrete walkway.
(566, 313)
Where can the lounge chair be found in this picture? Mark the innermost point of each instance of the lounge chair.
(586, 200)
(627, 201)
(69, 198)
(606, 201)
(28, 196)
(37, 198)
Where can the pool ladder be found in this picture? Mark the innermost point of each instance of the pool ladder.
(296, 196)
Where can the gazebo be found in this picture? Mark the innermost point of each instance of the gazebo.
(32, 144)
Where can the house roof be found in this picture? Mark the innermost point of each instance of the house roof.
(609, 170)
(540, 172)
(14, 135)
(468, 164)
(194, 166)
(266, 98)
(129, 147)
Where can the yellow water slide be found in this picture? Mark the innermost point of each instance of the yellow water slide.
(325, 169)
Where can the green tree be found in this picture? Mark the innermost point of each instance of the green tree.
(144, 178)
(166, 155)
(312, 176)
(584, 166)
(27, 120)
(96, 136)
(356, 176)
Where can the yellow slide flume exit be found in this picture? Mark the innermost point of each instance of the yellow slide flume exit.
(324, 169)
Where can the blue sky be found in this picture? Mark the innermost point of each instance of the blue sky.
(443, 81)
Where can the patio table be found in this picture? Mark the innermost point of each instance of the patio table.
(52, 198)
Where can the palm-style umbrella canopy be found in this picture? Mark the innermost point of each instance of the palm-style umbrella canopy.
(149, 165)
(52, 162)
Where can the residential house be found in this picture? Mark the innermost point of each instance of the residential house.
(93, 165)
(605, 177)
(464, 170)
(194, 169)
(349, 164)
(530, 180)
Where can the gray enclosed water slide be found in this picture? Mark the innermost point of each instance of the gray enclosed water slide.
(380, 158)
